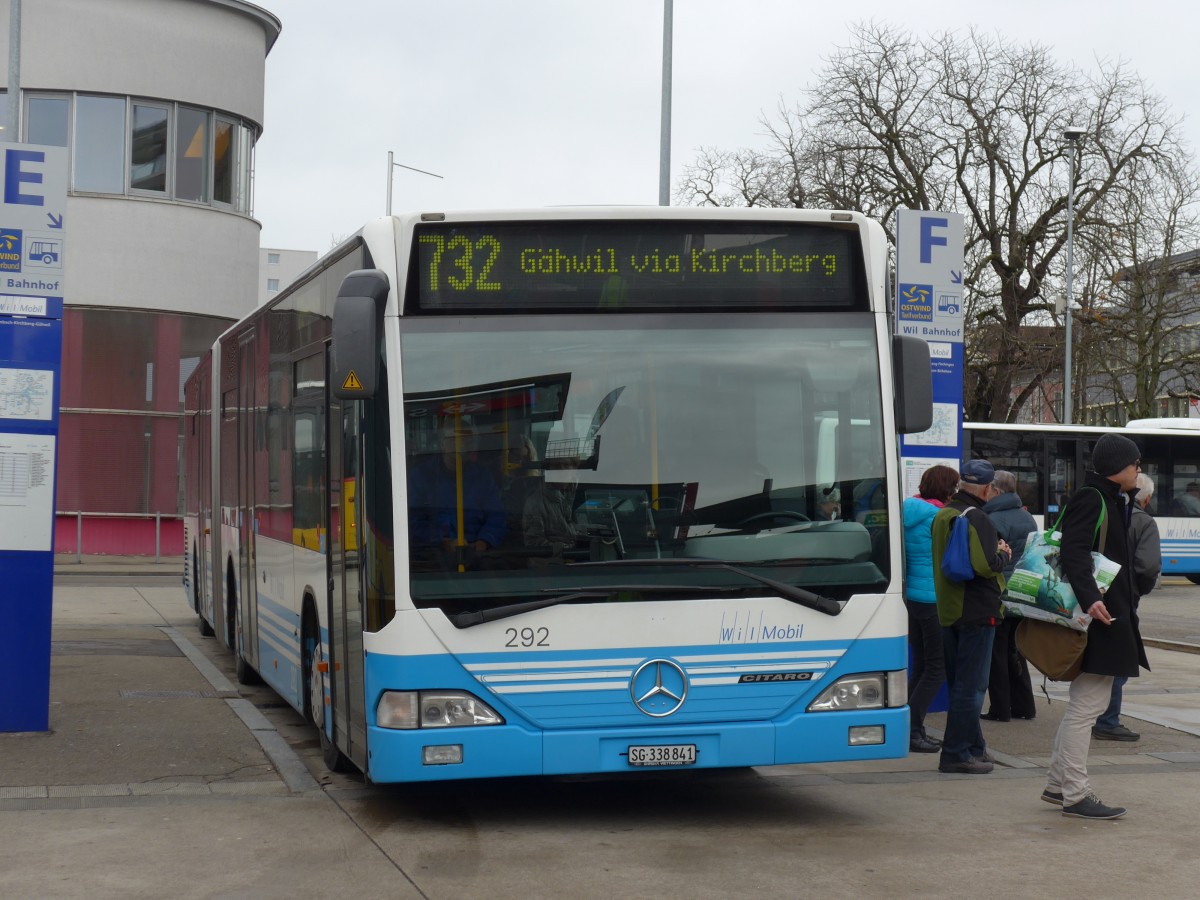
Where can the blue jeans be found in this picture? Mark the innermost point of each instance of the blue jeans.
(1111, 717)
(968, 664)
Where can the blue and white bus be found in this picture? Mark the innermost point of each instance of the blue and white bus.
(566, 491)
(1049, 460)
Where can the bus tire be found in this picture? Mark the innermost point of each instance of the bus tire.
(314, 694)
(244, 671)
(1194, 579)
(206, 630)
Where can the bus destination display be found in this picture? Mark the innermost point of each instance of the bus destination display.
(636, 265)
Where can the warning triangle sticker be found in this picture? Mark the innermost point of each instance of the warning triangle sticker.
(352, 383)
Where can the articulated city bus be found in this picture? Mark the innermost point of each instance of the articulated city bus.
(566, 491)
(1049, 460)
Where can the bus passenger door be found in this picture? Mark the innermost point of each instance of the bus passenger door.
(345, 591)
(247, 421)
(204, 518)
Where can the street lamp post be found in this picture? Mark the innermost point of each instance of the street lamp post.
(1072, 134)
(664, 135)
(392, 165)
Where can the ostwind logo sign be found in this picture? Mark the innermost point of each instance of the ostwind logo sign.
(11, 244)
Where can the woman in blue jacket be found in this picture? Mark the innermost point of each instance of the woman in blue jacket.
(938, 484)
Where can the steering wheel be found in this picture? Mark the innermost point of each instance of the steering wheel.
(772, 516)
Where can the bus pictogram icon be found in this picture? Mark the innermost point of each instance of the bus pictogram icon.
(47, 252)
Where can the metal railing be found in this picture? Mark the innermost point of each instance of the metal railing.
(80, 515)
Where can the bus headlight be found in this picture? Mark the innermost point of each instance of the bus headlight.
(433, 709)
(853, 692)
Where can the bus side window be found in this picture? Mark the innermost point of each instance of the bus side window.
(1187, 497)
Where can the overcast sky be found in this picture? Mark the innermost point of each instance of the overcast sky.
(553, 102)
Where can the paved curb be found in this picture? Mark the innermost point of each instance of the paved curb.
(289, 766)
(1177, 646)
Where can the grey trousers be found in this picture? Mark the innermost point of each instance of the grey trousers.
(1068, 775)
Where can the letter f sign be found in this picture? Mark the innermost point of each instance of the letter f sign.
(927, 238)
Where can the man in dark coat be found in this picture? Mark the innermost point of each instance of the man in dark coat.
(1009, 687)
(1114, 644)
(1147, 564)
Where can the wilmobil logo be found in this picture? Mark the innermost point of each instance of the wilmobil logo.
(11, 243)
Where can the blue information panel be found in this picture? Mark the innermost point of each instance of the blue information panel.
(32, 248)
(929, 305)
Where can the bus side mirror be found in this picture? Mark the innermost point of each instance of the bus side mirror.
(913, 384)
(357, 326)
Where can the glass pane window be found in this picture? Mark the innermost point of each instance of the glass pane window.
(100, 144)
(148, 156)
(224, 153)
(191, 155)
(568, 439)
(46, 121)
(245, 173)
(1063, 474)
(1185, 488)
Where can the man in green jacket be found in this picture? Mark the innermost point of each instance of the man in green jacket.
(969, 612)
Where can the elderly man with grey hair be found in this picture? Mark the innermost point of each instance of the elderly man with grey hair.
(1147, 564)
(1009, 685)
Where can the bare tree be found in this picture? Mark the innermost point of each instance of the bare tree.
(971, 123)
(1138, 310)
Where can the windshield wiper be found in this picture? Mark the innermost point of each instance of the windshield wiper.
(567, 595)
(802, 596)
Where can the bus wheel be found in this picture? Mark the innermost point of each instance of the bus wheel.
(245, 672)
(314, 698)
(1194, 579)
(206, 630)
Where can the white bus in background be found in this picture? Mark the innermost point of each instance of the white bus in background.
(1049, 461)
(367, 456)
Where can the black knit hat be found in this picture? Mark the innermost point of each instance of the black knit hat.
(1112, 453)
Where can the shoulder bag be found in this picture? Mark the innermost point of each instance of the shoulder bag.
(1053, 650)
(956, 560)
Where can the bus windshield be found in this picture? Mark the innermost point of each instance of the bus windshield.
(561, 453)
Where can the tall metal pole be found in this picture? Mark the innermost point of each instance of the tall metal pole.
(394, 165)
(664, 140)
(389, 200)
(12, 123)
(1068, 410)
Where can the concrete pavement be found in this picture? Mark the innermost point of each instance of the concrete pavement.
(160, 776)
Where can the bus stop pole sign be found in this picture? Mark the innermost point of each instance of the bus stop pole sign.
(33, 205)
(929, 305)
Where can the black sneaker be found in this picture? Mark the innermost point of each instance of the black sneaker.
(1090, 807)
(1054, 797)
(921, 744)
(1120, 733)
(971, 767)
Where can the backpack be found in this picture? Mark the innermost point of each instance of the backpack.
(956, 561)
